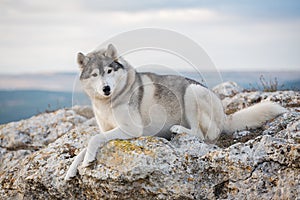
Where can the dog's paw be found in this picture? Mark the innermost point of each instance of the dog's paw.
(72, 171)
(87, 163)
(177, 129)
(70, 174)
(88, 160)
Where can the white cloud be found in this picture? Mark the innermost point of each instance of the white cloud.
(168, 15)
(45, 36)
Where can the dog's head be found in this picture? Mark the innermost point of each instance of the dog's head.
(101, 71)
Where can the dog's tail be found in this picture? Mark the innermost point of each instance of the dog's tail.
(252, 117)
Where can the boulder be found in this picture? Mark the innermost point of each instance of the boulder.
(227, 89)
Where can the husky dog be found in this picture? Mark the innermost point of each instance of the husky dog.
(128, 104)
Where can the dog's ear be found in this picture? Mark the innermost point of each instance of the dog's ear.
(111, 52)
(81, 60)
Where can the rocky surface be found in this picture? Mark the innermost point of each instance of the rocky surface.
(227, 89)
(262, 163)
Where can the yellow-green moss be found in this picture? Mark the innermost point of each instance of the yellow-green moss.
(128, 147)
(151, 139)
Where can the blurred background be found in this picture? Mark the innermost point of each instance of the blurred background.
(40, 40)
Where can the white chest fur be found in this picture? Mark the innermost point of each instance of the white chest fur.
(104, 115)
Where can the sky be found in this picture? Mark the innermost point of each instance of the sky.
(45, 36)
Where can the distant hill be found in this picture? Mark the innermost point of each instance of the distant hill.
(17, 105)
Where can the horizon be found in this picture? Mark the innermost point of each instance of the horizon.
(150, 70)
(69, 81)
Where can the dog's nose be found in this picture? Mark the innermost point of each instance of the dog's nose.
(106, 90)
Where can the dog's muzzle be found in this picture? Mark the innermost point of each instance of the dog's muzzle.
(106, 90)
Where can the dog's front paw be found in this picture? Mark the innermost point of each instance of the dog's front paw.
(95, 143)
(70, 174)
(88, 159)
(177, 129)
(72, 171)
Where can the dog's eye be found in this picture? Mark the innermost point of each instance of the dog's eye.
(109, 71)
(94, 74)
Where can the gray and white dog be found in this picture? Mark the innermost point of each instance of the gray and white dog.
(128, 104)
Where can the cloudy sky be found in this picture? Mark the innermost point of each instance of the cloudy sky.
(45, 36)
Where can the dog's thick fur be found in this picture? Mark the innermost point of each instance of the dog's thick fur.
(129, 104)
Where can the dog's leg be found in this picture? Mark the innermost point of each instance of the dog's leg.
(100, 139)
(92, 148)
(72, 171)
(196, 110)
(88, 155)
(180, 129)
(194, 131)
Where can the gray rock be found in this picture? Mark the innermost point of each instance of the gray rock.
(264, 163)
(239, 134)
(86, 111)
(289, 99)
(227, 89)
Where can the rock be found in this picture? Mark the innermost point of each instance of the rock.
(262, 163)
(239, 134)
(86, 111)
(227, 89)
(287, 99)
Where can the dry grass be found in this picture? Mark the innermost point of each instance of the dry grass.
(271, 85)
